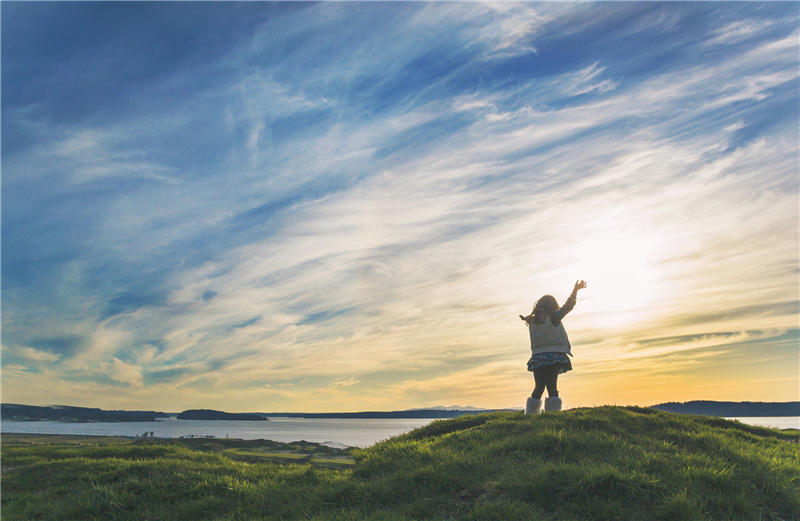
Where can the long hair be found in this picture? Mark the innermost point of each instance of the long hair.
(545, 306)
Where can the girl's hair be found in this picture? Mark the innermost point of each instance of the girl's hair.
(547, 305)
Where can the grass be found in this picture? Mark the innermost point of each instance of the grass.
(603, 463)
(253, 451)
(67, 439)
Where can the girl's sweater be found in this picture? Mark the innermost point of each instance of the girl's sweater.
(550, 336)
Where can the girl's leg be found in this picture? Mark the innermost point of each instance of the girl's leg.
(540, 380)
(551, 381)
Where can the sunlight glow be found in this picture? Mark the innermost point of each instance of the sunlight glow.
(621, 271)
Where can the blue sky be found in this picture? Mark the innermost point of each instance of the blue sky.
(269, 206)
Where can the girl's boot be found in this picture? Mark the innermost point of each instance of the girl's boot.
(552, 404)
(533, 406)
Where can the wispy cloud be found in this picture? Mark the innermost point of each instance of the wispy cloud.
(738, 31)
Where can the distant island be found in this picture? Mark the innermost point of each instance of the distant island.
(66, 413)
(732, 409)
(208, 414)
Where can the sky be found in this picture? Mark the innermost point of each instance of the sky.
(345, 206)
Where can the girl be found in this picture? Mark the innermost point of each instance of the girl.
(549, 349)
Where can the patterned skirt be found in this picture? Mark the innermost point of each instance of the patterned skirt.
(561, 360)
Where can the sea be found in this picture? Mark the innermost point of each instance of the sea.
(334, 432)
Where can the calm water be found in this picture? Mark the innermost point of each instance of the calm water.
(351, 432)
(780, 422)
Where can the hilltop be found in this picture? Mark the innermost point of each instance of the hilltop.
(614, 463)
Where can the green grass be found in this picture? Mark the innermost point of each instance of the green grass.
(253, 451)
(69, 439)
(604, 463)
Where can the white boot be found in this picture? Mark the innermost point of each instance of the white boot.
(533, 406)
(552, 404)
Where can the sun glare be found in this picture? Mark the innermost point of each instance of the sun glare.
(620, 270)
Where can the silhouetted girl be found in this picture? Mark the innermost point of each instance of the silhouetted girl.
(549, 349)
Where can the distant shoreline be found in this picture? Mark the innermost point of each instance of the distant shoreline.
(70, 414)
(420, 414)
(732, 409)
(16, 412)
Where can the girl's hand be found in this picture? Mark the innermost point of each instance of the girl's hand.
(579, 285)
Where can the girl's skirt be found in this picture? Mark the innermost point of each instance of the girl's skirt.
(561, 360)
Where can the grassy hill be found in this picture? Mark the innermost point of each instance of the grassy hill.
(601, 463)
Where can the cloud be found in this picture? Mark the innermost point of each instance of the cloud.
(122, 372)
(584, 81)
(33, 355)
(738, 31)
